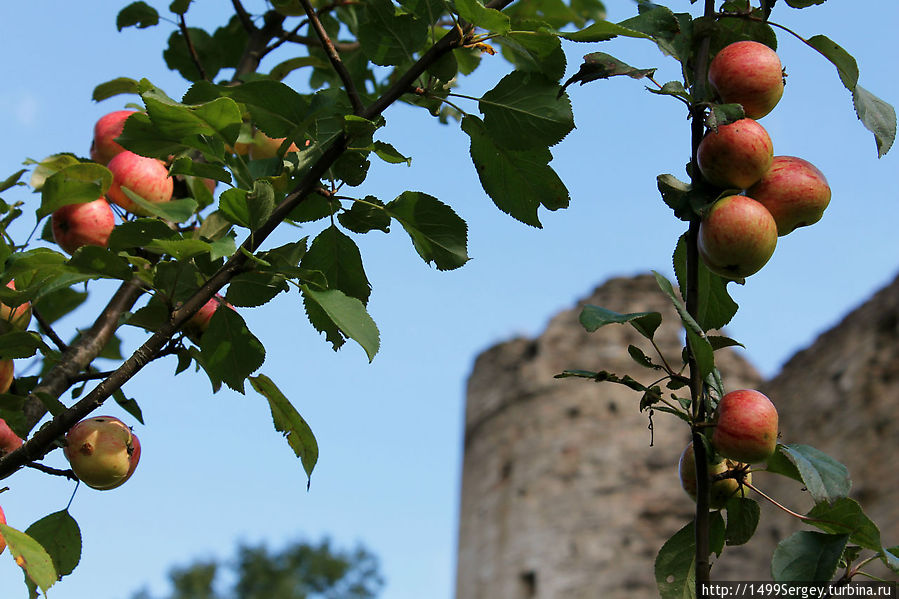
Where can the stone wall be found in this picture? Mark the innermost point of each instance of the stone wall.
(567, 494)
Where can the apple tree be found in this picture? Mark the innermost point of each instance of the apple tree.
(739, 200)
(176, 204)
(196, 186)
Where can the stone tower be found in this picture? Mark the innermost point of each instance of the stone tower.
(566, 492)
(563, 497)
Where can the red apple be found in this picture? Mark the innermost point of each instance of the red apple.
(6, 376)
(104, 146)
(18, 317)
(736, 156)
(264, 146)
(737, 237)
(199, 322)
(748, 73)
(90, 223)
(746, 426)
(102, 451)
(9, 440)
(147, 177)
(794, 192)
(2, 540)
(720, 490)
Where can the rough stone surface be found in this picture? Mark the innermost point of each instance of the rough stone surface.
(565, 497)
(566, 493)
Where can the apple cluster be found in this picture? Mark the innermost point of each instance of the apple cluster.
(774, 195)
(745, 432)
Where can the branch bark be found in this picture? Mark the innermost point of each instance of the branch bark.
(697, 130)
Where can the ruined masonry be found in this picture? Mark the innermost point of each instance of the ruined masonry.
(568, 494)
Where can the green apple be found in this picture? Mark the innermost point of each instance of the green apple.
(748, 73)
(719, 490)
(737, 237)
(745, 426)
(736, 155)
(102, 451)
(17, 318)
(794, 192)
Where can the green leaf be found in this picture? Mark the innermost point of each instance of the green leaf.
(702, 352)
(75, 184)
(675, 565)
(60, 536)
(518, 182)
(842, 60)
(438, 234)
(139, 233)
(672, 88)
(178, 57)
(807, 556)
(537, 50)
(253, 289)
(825, 478)
(366, 215)
(486, 18)
(389, 154)
(187, 166)
(715, 306)
(278, 110)
(54, 306)
(19, 344)
(12, 180)
(601, 31)
(139, 14)
(716, 532)
(179, 7)
(230, 351)
(339, 315)
(180, 249)
(389, 38)
(877, 116)
(804, 3)
(351, 168)
(645, 323)
(742, 520)
(845, 516)
(94, 260)
(525, 111)
(185, 123)
(337, 256)
(599, 65)
(30, 556)
(114, 87)
(48, 166)
(174, 210)
(289, 422)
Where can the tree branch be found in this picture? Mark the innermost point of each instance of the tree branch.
(48, 330)
(334, 57)
(182, 24)
(82, 352)
(697, 130)
(243, 16)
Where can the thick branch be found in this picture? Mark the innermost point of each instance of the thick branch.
(82, 352)
(334, 57)
(257, 45)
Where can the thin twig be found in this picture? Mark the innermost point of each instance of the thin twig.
(334, 57)
(243, 16)
(190, 48)
(54, 471)
(48, 330)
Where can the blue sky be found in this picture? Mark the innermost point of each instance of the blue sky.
(213, 472)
